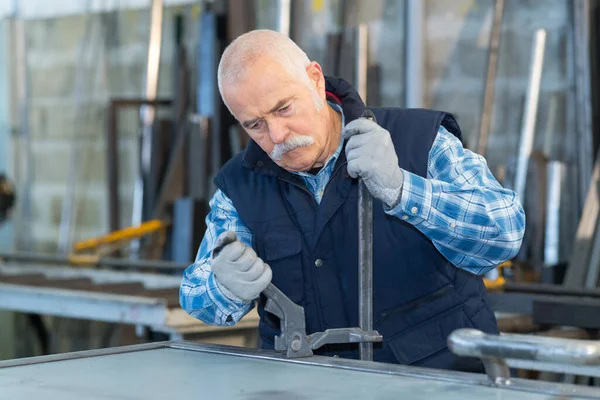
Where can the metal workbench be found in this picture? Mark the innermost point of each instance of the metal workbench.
(182, 370)
(142, 299)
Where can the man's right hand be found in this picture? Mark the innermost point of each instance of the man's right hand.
(238, 269)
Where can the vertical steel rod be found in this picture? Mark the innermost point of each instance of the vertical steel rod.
(414, 81)
(365, 262)
(365, 213)
(530, 114)
(490, 81)
(147, 115)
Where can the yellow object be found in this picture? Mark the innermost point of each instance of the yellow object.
(84, 259)
(317, 5)
(115, 239)
(499, 282)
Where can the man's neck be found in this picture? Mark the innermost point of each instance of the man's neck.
(334, 122)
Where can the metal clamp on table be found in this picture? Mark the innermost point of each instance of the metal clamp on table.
(293, 341)
(498, 352)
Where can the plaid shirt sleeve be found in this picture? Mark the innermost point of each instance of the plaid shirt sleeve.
(199, 293)
(470, 218)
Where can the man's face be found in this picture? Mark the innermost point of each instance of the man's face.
(281, 114)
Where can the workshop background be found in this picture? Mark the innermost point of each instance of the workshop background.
(110, 118)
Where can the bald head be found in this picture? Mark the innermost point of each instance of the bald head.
(278, 96)
(244, 52)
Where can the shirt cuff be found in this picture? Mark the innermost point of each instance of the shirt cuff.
(230, 306)
(415, 199)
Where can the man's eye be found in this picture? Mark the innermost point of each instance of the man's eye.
(285, 109)
(256, 126)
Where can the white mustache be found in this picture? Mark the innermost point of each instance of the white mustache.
(292, 143)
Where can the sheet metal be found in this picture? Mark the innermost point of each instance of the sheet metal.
(189, 370)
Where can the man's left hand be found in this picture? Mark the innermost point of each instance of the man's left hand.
(372, 157)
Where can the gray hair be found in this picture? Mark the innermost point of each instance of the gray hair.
(246, 49)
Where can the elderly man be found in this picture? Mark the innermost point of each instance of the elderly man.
(441, 220)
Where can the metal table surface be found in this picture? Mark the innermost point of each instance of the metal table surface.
(191, 370)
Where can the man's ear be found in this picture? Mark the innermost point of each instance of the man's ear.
(315, 74)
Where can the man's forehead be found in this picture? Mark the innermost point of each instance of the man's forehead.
(258, 103)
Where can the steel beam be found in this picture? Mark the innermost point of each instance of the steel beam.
(84, 305)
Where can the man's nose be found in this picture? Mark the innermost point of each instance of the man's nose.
(278, 131)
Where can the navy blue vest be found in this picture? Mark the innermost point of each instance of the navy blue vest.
(419, 298)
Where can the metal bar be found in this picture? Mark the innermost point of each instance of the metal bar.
(83, 305)
(83, 354)
(593, 268)
(555, 175)
(554, 290)
(530, 113)
(577, 269)
(583, 111)
(6, 155)
(112, 153)
(283, 17)
(474, 343)
(150, 281)
(137, 102)
(24, 159)
(362, 61)
(554, 367)
(365, 214)
(490, 80)
(147, 114)
(577, 312)
(413, 75)
(108, 262)
(112, 166)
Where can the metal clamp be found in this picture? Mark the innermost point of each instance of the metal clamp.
(495, 350)
(293, 341)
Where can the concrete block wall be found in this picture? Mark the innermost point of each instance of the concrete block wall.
(457, 34)
(75, 65)
(68, 98)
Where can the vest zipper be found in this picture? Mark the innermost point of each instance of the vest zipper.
(415, 303)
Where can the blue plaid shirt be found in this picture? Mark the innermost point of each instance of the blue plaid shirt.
(471, 219)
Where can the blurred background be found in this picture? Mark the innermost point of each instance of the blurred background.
(111, 128)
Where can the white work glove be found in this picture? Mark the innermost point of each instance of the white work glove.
(371, 156)
(240, 273)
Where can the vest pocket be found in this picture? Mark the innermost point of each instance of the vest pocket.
(414, 304)
(428, 338)
(282, 252)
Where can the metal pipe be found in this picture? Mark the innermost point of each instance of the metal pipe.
(490, 81)
(362, 61)
(25, 257)
(474, 343)
(284, 20)
(551, 243)
(413, 56)
(530, 114)
(583, 102)
(24, 158)
(147, 115)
